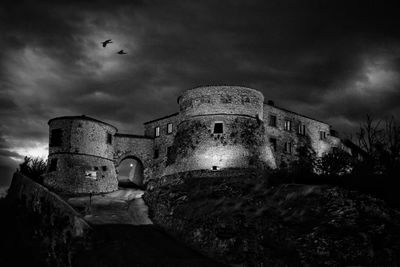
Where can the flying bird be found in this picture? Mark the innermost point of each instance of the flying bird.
(106, 42)
(122, 52)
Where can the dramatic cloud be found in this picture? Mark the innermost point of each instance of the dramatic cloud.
(335, 61)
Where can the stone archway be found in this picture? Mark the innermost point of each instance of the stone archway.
(130, 171)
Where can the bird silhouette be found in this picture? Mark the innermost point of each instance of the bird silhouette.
(106, 42)
(122, 52)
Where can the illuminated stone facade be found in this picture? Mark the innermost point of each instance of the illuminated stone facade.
(216, 127)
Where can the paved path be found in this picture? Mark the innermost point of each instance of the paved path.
(125, 236)
(124, 206)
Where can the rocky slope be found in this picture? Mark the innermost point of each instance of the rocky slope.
(237, 220)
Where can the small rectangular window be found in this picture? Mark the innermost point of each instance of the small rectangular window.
(301, 129)
(169, 128)
(104, 168)
(156, 153)
(95, 168)
(53, 165)
(157, 131)
(272, 120)
(109, 138)
(169, 151)
(273, 143)
(322, 135)
(288, 125)
(288, 147)
(218, 128)
(55, 137)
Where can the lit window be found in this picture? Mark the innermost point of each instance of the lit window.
(301, 129)
(55, 137)
(273, 143)
(218, 128)
(109, 138)
(288, 147)
(53, 165)
(157, 131)
(272, 120)
(288, 125)
(156, 153)
(169, 128)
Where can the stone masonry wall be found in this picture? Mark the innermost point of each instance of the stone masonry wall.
(70, 177)
(83, 161)
(137, 147)
(221, 100)
(241, 145)
(311, 137)
(50, 228)
(161, 143)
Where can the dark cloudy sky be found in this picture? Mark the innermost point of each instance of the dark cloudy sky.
(331, 60)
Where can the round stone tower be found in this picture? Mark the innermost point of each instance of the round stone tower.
(221, 127)
(81, 156)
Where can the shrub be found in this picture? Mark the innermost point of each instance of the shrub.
(33, 168)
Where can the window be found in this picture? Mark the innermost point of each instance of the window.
(272, 141)
(218, 128)
(157, 131)
(95, 168)
(288, 147)
(104, 168)
(53, 165)
(288, 125)
(156, 153)
(272, 120)
(55, 137)
(109, 138)
(322, 135)
(301, 129)
(169, 128)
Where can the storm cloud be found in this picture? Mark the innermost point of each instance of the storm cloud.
(332, 60)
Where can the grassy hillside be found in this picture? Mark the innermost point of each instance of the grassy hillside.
(237, 219)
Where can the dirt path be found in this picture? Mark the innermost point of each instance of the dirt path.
(125, 236)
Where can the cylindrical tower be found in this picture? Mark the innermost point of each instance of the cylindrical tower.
(81, 156)
(221, 127)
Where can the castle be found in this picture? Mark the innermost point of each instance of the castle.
(217, 127)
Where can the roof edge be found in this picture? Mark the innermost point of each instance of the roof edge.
(82, 117)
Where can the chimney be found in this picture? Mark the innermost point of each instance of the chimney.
(271, 103)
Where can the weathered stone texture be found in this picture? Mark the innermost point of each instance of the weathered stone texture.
(51, 228)
(221, 100)
(137, 147)
(311, 136)
(196, 147)
(84, 157)
(192, 145)
(70, 176)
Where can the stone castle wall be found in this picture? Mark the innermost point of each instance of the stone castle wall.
(163, 142)
(246, 140)
(82, 162)
(311, 137)
(240, 144)
(137, 147)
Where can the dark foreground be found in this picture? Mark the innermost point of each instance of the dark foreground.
(109, 245)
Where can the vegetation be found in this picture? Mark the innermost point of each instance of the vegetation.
(33, 168)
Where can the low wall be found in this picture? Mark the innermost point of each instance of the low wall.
(45, 223)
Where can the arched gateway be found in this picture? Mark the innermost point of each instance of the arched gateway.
(132, 158)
